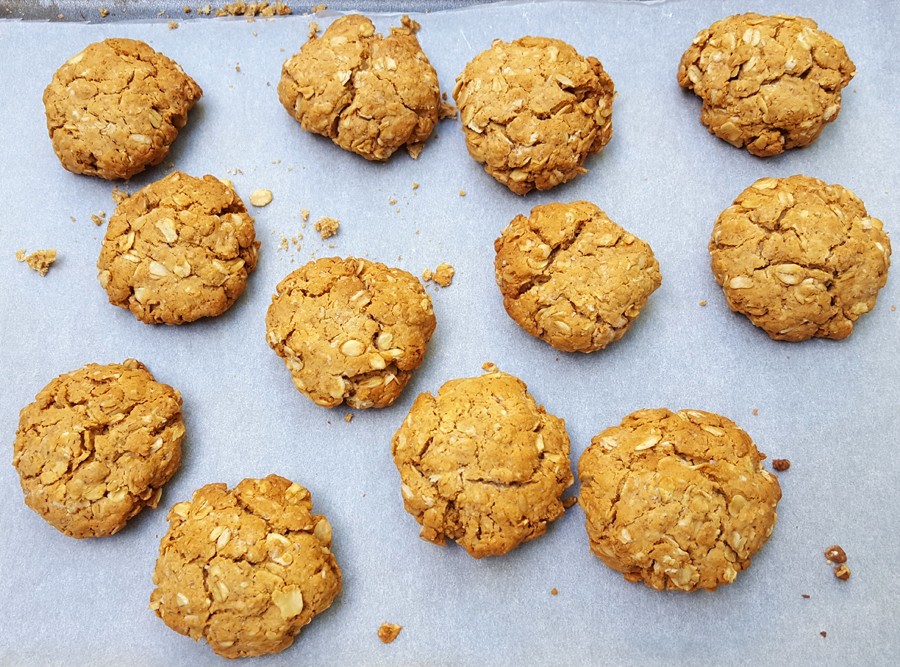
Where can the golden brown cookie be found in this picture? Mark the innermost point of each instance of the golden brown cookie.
(97, 446)
(370, 94)
(799, 257)
(350, 330)
(572, 277)
(483, 464)
(245, 569)
(768, 83)
(532, 110)
(115, 108)
(676, 500)
(178, 250)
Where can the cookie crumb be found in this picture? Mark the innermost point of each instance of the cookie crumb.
(804, 596)
(553, 591)
(392, 201)
(173, 25)
(415, 185)
(780, 465)
(570, 501)
(104, 12)
(823, 633)
(842, 572)
(703, 303)
(489, 367)
(348, 417)
(756, 412)
(260, 198)
(39, 260)
(119, 195)
(315, 9)
(304, 213)
(237, 67)
(283, 245)
(446, 111)
(186, 9)
(893, 309)
(327, 227)
(313, 30)
(73, 218)
(462, 193)
(98, 218)
(442, 275)
(835, 554)
(205, 10)
(388, 632)
(410, 24)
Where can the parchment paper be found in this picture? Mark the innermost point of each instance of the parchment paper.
(830, 407)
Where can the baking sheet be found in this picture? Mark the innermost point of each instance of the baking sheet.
(830, 407)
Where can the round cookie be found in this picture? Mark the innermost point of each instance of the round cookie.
(245, 569)
(532, 110)
(178, 250)
(800, 258)
(676, 500)
(96, 447)
(370, 94)
(768, 83)
(483, 464)
(350, 330)
(572, 277)
(116, 107)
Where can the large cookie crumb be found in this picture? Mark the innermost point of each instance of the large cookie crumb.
(388, 632)
(442, 275)
(327, 227)
(39, 260)
(768, 83)
(370, 94)
(483, 464)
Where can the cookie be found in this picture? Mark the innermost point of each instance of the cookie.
(115, 108)
(178, 250)
(532, 110)
(369, 94)
(245, 569)
(483, 464)
(97, 446)
(350, 330)
(799, 257)
(677, 500)
(768, 83)
(572, 277)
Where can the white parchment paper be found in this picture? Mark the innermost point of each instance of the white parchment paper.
(830, 407)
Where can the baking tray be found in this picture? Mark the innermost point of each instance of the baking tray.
(830, 407)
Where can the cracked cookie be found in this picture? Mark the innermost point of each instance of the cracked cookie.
(799, 257)
(350, 330)
(369, 94)
(768, 83)
(483, 464)
(532, 110)
(178, 250)
(676, 500)
(245, 569)
(115, 108)
(572, 277)
(97, 446)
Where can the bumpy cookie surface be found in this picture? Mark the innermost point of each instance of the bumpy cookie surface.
(572, 277)
(115, 108)
(676, 500)
(532, 110)
(96, 447)
(370, 94)
(350, 330)
(799, 257)
(768, 83)
(178, 250)
(245, 569)
(483, 464)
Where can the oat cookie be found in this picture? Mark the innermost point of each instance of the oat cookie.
(572, 277)
(799, 257)
(483, 464)
(97, 446)
(676, 500)
(370, 94)
(768, 83)
(115, 108)
(532, 110)
(350, 330)
(245, 569)
(178, 250)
